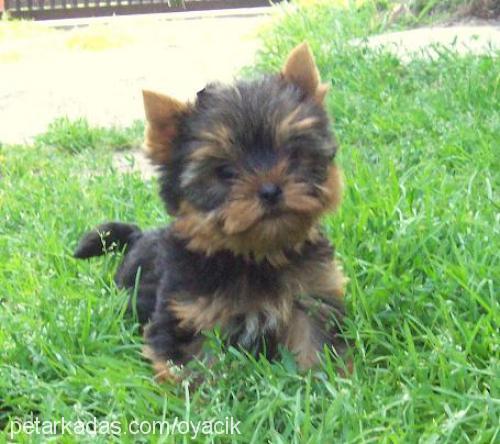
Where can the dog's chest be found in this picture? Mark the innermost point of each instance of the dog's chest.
(251, 302)
(258, 307)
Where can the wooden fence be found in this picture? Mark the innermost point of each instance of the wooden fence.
(58, 9)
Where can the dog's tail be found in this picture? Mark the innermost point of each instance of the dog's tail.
(106, 237)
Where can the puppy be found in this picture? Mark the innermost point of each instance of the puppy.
(246, 170)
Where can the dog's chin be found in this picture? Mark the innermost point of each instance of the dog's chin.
(258, 236)
(273, 233)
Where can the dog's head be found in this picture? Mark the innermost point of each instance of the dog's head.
(247, 167)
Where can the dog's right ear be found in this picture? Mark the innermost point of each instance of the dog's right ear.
(163, 114)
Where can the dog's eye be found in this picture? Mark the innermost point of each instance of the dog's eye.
(225, 172)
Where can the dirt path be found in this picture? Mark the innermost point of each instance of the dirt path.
(463, 38)
(53, 78)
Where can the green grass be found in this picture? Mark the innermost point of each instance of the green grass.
(74, 136)
(418, 234)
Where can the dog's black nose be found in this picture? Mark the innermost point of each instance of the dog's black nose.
(270, 193)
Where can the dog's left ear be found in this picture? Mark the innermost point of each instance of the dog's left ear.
(163, 115)
(301, 70)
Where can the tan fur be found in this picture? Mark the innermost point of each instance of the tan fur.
(331, 189)
(244, 208)
(241, 214)
(202, 314)
(163, 371)
(298, 199)
(162, 115)
(283, 131)
(266, 241)
(329, 280)
(219, 145)
(323, 280)
(300, 340)
(208, 151)
(300, 69)
(319, 289)
(321, 92)
(221, 136)
(293, 125)
(242, 227)
(205, 313)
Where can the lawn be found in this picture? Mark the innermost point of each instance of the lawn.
(418, 234)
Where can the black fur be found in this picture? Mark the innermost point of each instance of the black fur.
(106, 237)
(159, 266)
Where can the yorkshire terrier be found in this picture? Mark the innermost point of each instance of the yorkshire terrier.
(247, 171)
